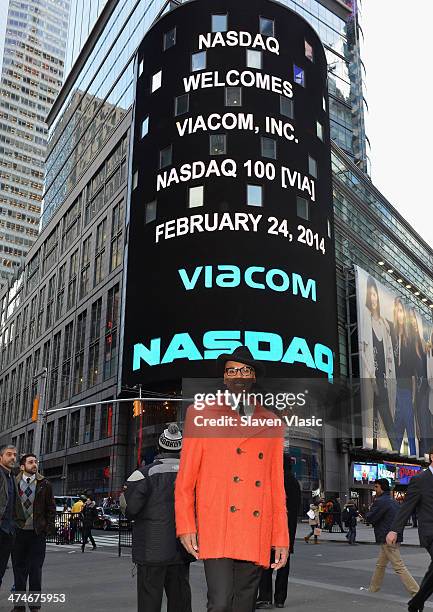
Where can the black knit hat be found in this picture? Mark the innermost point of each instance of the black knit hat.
(384, 483)
(171, 438)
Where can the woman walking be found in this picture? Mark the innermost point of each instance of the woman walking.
(88, 514)
(313, 521)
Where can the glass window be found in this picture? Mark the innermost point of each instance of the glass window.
(145, 127)
(181, 105)
(140, 68)
(286, 107)
(198, 61)
(309, 53)
(219, 23)
(312, 166)
(233, 96)
(150, 211)
(299, 75)
(218, 144)
(302, 208)
(169, 39)
(269, 147)
(319, 130)
(254, 59)
(165, 157)
(267, 26)
(156, 81)
(254, 195)
(196, 196)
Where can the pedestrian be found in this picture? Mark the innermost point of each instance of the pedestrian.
(313, 521)
(89, 514)
(39, 509)
(162, 561)
(350, 518)
(230, 488)
(381, 516)
(337, 513)
(293, 501)
(76, 519)
(11, 511)
(419, 496)
(329, 515)
(322, 512)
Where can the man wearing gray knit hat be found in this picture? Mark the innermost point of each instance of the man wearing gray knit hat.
(162, 562)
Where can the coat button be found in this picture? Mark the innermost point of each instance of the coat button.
(236, 479)
(260, 455)
(256, 513)
(233, 508)
(239, 451)
(258, 483)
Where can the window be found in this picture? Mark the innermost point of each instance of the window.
(61, 291)
(319, 130)
(196, 197)
(101, 236)
(145, 127)
(254, 59)
(165, 157)
(150, 212)
(74, 438)
(80, 337)
(219, 23)
(218, 144)
(309, 53)
(269, 147)
(49, 437)
(267, 26)
(54, 378)
(50, 303)
(95, 332)
(106, 420)
(89, 424)
(116, 236)
(233, 96)
(198, 61)
(110, 355)
(61, 433)
(286, 107)
(72, 287)
(302, 208)
(135, 180)
(65, 378)
(169, 39)
(254, 195)
(140, 68)
(85, 268)
(30, 441)
(298, 75)
(181, 105)
(156, 81)
(312, 166)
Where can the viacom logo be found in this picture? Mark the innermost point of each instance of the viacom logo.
(265, 346)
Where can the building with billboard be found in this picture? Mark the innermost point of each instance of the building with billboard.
(62, 310)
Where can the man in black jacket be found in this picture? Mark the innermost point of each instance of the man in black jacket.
(419, 496)
(39, 509)
(162, 561)
(381, 516)
(11, 512)
(293, 501)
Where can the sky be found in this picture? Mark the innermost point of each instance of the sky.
(399, 93)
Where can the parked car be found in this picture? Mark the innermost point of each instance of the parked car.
(62, 500)
(108, 518)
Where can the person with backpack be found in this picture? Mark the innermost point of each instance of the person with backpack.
(381, 516)
(349, 516)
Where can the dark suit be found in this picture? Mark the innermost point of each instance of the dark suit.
(293, 501)
(419, 496)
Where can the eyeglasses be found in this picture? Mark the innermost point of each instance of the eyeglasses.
(243, 371)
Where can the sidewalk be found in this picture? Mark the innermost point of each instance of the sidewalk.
(364, 535)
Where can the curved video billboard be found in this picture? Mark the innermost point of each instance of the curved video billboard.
(230, 219)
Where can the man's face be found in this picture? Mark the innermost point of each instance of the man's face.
(238, 377)
(8, 458)
(31, 465)
(378, 489)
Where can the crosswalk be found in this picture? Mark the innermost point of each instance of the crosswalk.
(110, 539)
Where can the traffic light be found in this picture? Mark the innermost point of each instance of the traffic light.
(35, 410)
(136, 411)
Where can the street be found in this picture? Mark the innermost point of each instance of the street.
(325, 577)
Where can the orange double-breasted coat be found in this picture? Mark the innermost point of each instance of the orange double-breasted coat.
(230, 490)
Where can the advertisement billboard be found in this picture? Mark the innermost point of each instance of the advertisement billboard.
(396, 370)
(364, 473)
(230, 217)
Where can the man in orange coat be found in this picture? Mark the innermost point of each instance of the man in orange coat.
(229, 499)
